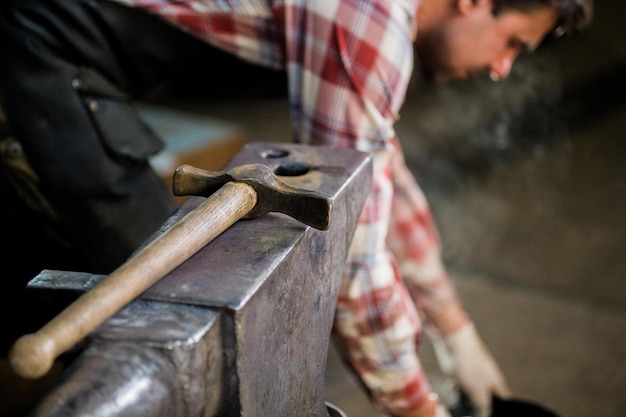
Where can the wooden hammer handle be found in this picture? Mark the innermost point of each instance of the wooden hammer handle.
(32, 355)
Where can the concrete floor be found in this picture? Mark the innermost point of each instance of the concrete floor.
(527, 182)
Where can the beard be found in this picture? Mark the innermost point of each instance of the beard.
(432, 52)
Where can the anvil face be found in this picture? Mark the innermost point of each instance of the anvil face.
(242, 327)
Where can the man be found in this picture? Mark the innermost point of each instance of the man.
(75, 64)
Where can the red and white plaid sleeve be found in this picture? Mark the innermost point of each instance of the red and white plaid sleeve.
(349, 66)
(413, 238)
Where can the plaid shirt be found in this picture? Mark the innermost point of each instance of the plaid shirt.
(349, 64)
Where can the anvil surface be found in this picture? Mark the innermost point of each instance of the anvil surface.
(239, 329)
(250, 249)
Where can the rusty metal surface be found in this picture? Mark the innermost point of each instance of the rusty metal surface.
(145, 361)
(247, 254)
(251, 250)
(257, 305)
(273, 195)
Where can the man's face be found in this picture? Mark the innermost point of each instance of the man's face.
(475, 42)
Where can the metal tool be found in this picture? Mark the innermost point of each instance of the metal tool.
(243, 192)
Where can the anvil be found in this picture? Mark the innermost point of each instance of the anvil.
(242, 327)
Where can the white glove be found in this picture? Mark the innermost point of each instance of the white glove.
(475, 369)
(442, 411)
(432, 408)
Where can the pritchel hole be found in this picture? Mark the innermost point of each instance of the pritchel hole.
(291, 169)
(275, 153)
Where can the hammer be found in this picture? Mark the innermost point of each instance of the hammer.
(247, 191)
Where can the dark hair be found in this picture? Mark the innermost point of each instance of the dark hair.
(573, 14)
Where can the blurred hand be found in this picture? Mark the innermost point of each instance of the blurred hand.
(476, 371)
(442, 411)
(432, 408)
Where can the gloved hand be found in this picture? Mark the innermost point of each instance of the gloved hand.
(442, 411)
(431, 408)
(476, 371)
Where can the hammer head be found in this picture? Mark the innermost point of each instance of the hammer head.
(307, 206)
